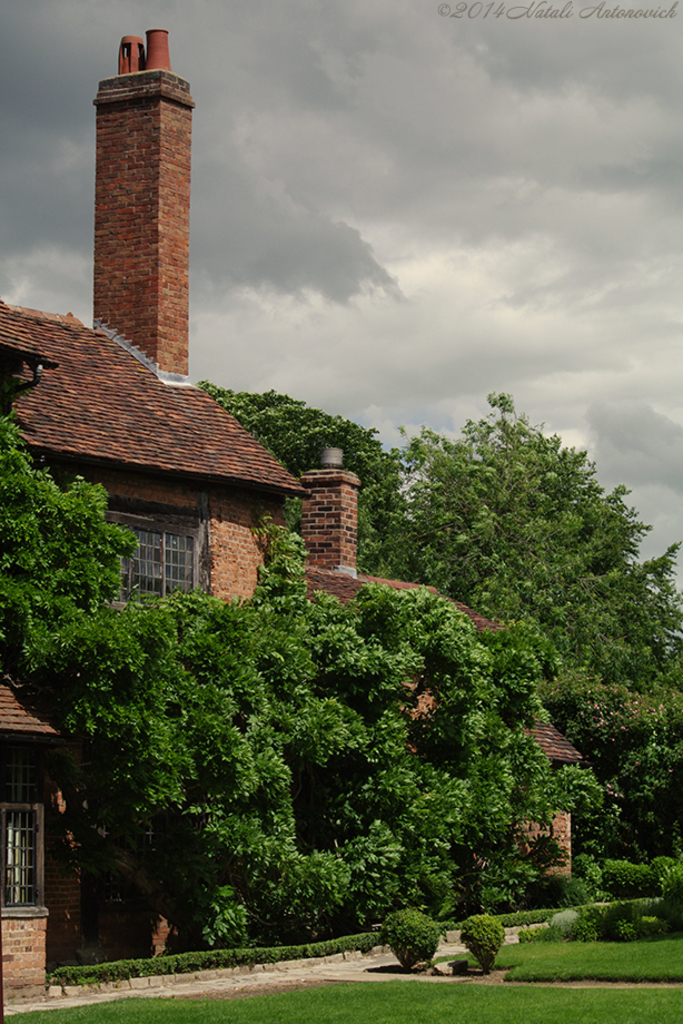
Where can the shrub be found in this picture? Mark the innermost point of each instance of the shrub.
(672, 883)
(624, 880)
(668, 911)
(588, 927)
(621, 921)
(652, 926)
(588, 871)
(412, 936)
(659, 865)
(564, 922)
(559, 891)
(483, 936)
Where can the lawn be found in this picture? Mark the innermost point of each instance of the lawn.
(656, 959)
(397, 1002)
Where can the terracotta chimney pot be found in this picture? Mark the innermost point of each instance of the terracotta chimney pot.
(131, 55)
(158, 56)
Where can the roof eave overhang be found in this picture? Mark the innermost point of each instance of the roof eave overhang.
(215, 479)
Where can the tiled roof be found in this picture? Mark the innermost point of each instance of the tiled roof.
(18, 719)
(101, 404)
(554, 744)
(345, 587)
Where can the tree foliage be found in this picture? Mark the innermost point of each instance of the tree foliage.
(515, 524)
(273, 768)
(297, 433)
(635, 743)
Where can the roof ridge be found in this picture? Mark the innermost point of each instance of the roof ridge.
(38, 314)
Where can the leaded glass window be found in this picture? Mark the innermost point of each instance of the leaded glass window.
(163, 562)
(21, 819)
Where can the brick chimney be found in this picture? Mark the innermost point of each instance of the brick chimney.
(142, 202)
(329, 517)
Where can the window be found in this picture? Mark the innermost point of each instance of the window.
(173, 546)
(163, 562)
(22, 815)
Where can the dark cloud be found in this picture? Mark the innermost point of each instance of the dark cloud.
(514, 183)
(635, 444)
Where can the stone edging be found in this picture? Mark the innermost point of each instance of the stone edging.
(165, 980)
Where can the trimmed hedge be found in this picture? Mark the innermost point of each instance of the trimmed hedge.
(519, 918)
(210, 959)
(624, 880)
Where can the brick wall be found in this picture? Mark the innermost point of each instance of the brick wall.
(142, 212)
(329, 518)
(561, 831)
(235, 550)
(23, 952)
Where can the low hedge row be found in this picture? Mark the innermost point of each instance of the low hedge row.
(624, 880)
(210, 959)
(519, 918)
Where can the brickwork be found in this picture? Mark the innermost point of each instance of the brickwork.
(561, 831)
(142, 213)
(329, 518)
(235, 550)
(23, 952)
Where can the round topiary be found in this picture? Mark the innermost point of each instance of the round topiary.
(412, 936)
(483, 936)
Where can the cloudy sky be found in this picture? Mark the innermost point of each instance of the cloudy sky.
(397, 208)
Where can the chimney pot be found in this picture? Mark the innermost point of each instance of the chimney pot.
(131, 55)
(332, 458)
(158, 56)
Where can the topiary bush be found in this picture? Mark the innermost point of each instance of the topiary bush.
(412, 936)
(483, 936)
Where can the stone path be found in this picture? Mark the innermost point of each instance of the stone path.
(239, 981)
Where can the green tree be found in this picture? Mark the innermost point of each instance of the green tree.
(515, 524)
(59, 558)
(635, 743)
(296, 434)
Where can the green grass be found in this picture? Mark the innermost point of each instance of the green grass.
(392, 1003)
(655, 959)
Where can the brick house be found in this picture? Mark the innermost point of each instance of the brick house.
(114, 404)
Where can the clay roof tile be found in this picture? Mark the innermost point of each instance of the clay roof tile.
(101, 404)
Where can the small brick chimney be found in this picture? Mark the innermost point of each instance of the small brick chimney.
(329, 516)
(142, 202)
